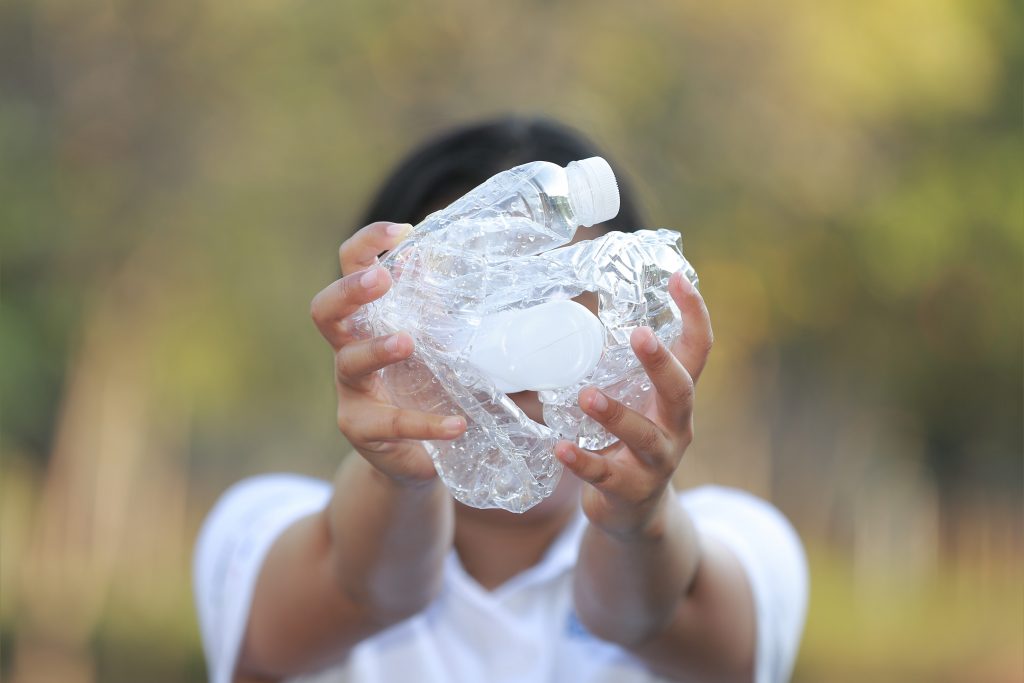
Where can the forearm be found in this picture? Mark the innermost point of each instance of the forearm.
(629, 585)
(678, 601)
(646, 578)
(388, 540)
(372, 557)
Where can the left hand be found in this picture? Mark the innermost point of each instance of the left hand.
(629, 482)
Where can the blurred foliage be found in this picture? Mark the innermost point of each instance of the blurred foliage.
(849, 178)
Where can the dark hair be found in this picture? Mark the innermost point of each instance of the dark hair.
(453, 163)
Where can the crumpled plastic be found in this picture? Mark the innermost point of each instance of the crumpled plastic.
(450, 275)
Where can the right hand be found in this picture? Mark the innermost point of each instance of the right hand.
(388, 437)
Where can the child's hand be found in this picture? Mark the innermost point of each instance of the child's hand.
(387, 436)
(629, 481)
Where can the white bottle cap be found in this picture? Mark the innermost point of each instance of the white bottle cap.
(553, 345)
(593, 192)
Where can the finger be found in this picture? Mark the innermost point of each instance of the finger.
(672, 382)
(694, 345)
(360, 251)
(376, 422)
(342, 298)
(592, 468)
(356, 362)
(644, 438)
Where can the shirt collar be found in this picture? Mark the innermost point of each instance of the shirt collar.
(557, 559)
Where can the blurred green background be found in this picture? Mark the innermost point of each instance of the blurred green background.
(175, 179)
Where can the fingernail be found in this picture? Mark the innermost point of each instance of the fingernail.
(391, 344)
(598, 402)
(651, 345)
(567, 454)
(398, 229)
(452, 424)
(370, 278)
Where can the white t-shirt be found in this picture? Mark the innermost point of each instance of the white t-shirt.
(524, 631)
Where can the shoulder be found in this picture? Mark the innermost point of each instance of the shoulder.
(761, 536)
(721, 505)
(229, 551)
(773, 558)
(257, 504)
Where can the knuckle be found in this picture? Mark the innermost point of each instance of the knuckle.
(347, 362)
(348, 287)
(318, 309)
(347, 327)
(345, 424)
(708, 342)
(665, 465)
(600, 477)
(398, 424)
(689, 391)
(650, 441)
(380, 353)
(616, 413)
(685, 437)
(662, 361)
(341, 364)
(314, 311)
(359, 251)
(412, 425)
(681, 393)
(663, 470)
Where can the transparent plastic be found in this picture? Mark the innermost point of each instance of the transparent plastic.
(499, 250)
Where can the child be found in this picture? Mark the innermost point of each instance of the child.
(379, 576)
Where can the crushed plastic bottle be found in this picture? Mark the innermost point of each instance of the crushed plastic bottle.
(484, 287)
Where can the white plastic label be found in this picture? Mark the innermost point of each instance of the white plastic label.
(555, 344)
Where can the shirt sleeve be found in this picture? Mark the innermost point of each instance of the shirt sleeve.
(232, 543)
(770, 552)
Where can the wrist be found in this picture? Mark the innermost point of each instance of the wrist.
(645, 522)
(401, 482)
(387, 539)
(406, 467)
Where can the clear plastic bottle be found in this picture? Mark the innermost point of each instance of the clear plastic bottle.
(443, 277)
(495, 260)
(525, 210)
